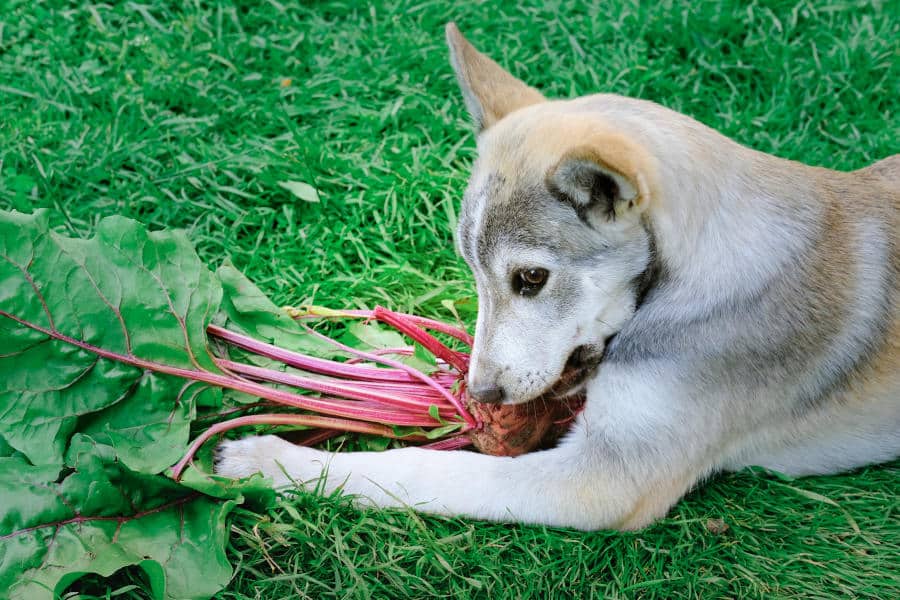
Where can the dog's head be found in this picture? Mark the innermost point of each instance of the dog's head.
(553, 227)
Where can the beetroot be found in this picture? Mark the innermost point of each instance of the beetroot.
(376, 394)
(514, 429)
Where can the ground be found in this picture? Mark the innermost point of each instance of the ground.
(191, 117)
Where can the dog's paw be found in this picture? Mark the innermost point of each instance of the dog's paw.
(284, 463)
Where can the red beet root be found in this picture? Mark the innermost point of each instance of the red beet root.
(514, 429)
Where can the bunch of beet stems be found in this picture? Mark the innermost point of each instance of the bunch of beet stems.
(368, 393)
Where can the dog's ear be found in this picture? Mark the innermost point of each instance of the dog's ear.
(489, 91)
(598, 188)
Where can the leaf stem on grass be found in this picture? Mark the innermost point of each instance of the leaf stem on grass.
(455, 359)
(375, 400)
(304, 362)
(283, 419)
(331, 407)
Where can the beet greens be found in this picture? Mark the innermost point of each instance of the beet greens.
(118, 348)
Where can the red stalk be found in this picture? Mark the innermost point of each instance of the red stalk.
(279, 419)
(310, 312)
(397, 394)
(320, 405)
(337, 388)
(451, 443)
(306, 363)
(332, 387)
(455, 359)
(467, 417)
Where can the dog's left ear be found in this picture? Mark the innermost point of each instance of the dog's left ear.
(489, 91)
(599, 188)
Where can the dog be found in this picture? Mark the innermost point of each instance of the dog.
(719, 307)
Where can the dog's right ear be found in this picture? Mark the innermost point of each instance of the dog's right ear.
(489, 91)
(602, 185)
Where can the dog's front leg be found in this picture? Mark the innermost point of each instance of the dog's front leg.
(568, 486)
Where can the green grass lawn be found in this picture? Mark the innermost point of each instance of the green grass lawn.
(191, 117)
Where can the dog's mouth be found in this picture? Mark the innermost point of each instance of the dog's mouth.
(580, 365)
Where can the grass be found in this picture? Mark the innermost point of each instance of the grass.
(190, 116)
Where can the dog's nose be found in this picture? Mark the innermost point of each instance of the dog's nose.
(488, 395)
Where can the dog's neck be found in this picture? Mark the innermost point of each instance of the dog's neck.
(729, 225)
(727, 218)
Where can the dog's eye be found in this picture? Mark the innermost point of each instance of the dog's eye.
(529, 282)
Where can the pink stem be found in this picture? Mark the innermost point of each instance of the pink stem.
(279, 419)
(335, 388)
(416, 389)
(455, 359)
(382, 351)
(451, 443)
(313, 437)
(454, 332)
(321, 405)
(301, 361)
(467, 417)
(232, 410)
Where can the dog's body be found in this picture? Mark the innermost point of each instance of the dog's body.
(723, 307)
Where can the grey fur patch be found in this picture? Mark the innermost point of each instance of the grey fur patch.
(530, 216)
(474, 202)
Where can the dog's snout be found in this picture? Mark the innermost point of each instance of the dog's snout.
(488, 394)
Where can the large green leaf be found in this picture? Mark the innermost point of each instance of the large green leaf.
(105, 362)
(87, 422)
(97, 516)
(125, 292)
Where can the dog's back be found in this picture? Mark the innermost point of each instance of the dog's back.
(889, 170)
(859, 421)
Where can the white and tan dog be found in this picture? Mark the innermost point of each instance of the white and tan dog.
(721, 306)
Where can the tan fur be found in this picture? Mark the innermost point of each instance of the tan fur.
(499, 92)
(612, 151)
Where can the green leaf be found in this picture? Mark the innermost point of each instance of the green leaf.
(373, 443)
(247, 310)
(255, 490)
(431, 434)
(126, 292)
(442, 431)
(97, 517)
(377, 336)
(141, 421)
(463, 309)
(301, 190)
(86, 425)
(450, 305)
(425, 358)
(105, 340)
